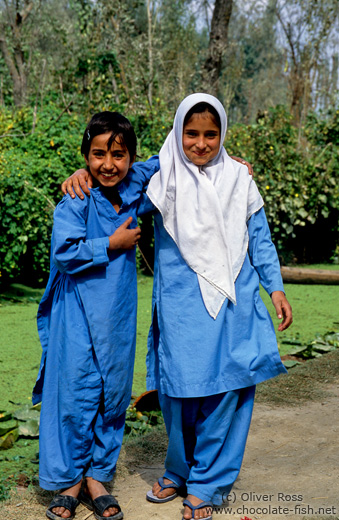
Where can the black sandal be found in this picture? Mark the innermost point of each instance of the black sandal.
(100, 504)
(65, 501)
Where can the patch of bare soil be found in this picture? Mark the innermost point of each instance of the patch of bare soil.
(290, 468)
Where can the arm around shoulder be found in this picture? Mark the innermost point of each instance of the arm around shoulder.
(77, 184)
(146, 169)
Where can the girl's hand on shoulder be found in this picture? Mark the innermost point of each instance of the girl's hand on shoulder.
(124, 238)
(81, 181)
(283, 309)
(242, 161)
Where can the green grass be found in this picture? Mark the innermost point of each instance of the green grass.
(145, 285)
(315, 310)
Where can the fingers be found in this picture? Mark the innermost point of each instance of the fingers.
(242, 161)
(126, 223)
(283, 309)
(137, 233)
(90, 181)
(67, 187)
(123, 237)
(78, 184)
(250, 168)
(286, 311)
(80, 180)
(85, 186)
(73, 184)
(64, 187)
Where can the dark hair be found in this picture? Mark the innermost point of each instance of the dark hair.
(115, 124)
(199, 108)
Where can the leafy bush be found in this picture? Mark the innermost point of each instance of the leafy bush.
(297, 173)
(322, 344)
(32, 165)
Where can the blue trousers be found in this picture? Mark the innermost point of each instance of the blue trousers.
(76, 439)
(207, 439)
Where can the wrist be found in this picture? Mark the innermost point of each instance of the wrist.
(112, 243)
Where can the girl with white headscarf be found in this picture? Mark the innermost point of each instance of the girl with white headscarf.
(212, 339)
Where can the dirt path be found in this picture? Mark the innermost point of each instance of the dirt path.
(290, 470)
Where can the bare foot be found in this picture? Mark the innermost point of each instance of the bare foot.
(73, 492)
(156, 489)
(204, 512)
(96, 489)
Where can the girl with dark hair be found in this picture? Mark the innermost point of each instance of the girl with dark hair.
(87, 323)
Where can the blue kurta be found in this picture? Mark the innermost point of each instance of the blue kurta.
(192, 355)
(87, 328)
(98, 283)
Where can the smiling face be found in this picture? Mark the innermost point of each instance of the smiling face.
(201, 138)
(108, 166)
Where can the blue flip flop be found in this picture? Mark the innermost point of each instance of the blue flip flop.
(153, 498)
(200, 506)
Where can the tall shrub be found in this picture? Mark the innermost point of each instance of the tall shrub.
(298, 174)
(32, 165)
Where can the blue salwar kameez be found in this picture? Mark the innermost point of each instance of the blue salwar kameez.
(206, 369)
(87, 328)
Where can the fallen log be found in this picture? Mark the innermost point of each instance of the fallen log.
(309, 276)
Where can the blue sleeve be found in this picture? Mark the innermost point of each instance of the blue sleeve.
(145, 205)
(263, 254)
(145, 170)
(71, 251)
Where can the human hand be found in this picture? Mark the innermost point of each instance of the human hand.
(124, 238)
(80, 180)
(242, 161)
(283, 309)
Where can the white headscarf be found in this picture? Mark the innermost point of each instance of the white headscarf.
(205, 208)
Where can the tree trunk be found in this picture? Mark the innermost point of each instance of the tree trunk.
(309, 276)
(15, 62)
(150, 54)
(217, 45)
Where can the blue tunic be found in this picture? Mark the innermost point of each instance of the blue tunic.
(192, 355)
(100, 284)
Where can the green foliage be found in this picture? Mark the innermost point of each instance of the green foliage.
(152, 127)
(139, 423)
(320, 345)
(5, 488)
(24, 422)
(298, 174)
(32, 166)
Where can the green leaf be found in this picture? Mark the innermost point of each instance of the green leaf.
(323, 348)
(7, 440)
(29, 428)
(5, 416)
(289, 363)
(297, 350)
(26, 413)
(6, 426)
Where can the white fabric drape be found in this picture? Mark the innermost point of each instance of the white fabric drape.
(205, 208)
